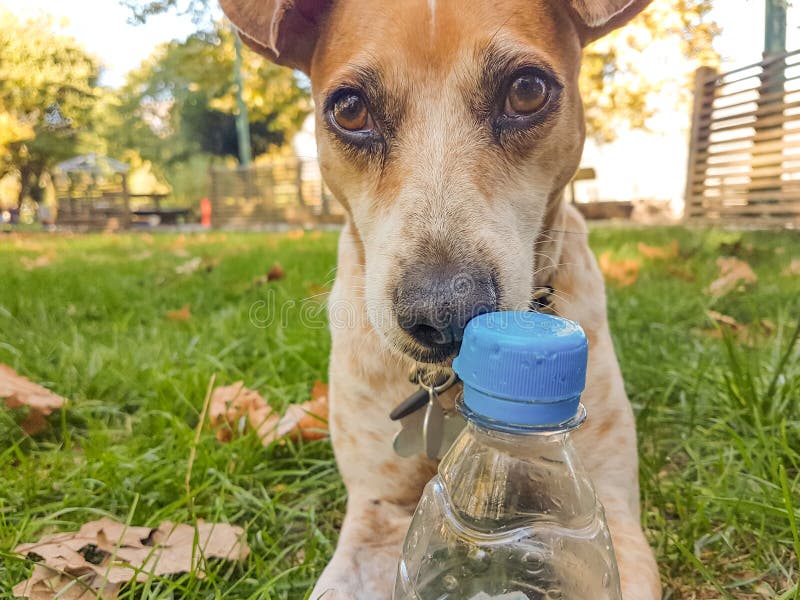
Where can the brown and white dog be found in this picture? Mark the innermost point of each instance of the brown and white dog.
(448, 130)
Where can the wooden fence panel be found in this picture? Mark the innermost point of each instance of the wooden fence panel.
(282, 191)
(744, 149)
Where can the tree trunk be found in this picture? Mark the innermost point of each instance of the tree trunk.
(24, 176)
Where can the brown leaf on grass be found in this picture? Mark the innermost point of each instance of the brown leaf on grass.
(725, 320)
(744, 333)
(659, 252)
(295, 234)
(179, 243)
(275, 273)
(792, 269)
(104, 554)
(308, 420)
(317, 291)
(206, 263)
(234, 409)
(20, 391)
(143, 255)
(681, 272)
(189, 267)
(732, 272)
(209, 263)
(180, 314)
(43, 260)
(624, 272)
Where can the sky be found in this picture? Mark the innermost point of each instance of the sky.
(102, 27)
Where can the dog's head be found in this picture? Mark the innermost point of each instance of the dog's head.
(448, 129)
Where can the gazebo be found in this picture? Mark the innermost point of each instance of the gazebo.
(92, 192)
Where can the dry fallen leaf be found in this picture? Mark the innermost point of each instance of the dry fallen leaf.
(681, 272)
(181, 314)
(209, 263)
(624, 272)
(295, 234)
(189, 267)
(19, 391)
(317, 291)
(659, 252)
(725, 320)
(744, 333)
(275, 273)
(792, 269)
(43, 260)
(308, 420)
(179, 243)
(143, 255)
(732, 271)
(235, 409)
(105, 554)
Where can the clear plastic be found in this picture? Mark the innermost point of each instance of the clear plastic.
(510, 516)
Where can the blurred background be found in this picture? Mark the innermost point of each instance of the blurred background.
(141, 113)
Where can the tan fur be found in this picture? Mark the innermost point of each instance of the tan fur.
(445, 191)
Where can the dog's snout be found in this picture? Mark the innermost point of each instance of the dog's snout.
(434, 304)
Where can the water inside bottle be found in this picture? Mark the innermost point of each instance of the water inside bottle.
(546, 561)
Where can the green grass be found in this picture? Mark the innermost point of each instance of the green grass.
(719, 423)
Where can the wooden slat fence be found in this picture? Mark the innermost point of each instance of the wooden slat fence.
(744, 152)
(283, 191)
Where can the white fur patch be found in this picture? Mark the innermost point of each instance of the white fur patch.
(432, 11)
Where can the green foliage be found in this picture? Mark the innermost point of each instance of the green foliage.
(47, 93)
(198, 10)
(718, 420)
(180, 104)
(646, 66)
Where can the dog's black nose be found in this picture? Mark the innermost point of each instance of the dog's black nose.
(434, 304)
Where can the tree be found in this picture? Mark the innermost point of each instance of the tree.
(624, 76)
(182, 101)
(618, 87)
(47, 91)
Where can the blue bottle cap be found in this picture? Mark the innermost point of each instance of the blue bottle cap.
(523, 368)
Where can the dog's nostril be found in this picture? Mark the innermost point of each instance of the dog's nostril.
(429, 335)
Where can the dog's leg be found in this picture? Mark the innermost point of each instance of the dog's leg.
(382, 493)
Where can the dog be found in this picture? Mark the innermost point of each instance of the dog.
(448, 130)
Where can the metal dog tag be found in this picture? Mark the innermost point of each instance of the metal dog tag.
(433, 427)
(432, 430)
(408, 441)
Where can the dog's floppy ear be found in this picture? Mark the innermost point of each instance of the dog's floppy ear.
(285, 31)
(595, 18)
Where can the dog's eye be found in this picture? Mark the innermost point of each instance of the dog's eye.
(351, 114)
(527, 95)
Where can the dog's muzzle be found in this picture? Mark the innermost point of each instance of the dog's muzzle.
(433, 304)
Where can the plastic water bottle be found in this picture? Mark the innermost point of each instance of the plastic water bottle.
(512, 515)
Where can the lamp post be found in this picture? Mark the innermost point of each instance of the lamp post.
(242, 121)
(775, 28)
